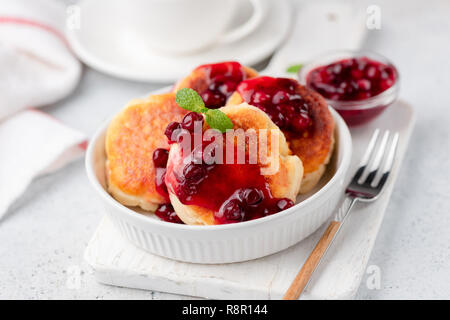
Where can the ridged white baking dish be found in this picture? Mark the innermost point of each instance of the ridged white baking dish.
(224, 243)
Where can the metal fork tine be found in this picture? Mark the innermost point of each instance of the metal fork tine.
(390, 158)
(367, 155)
(377, 160)
(389, 161)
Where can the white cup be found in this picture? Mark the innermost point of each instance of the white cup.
(186, 26)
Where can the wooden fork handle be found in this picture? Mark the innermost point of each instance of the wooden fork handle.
(302, 278)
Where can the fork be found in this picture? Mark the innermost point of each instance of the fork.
(366, 185)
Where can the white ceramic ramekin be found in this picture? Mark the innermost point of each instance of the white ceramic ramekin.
(223, 243)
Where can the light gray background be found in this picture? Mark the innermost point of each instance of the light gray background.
(43, 236)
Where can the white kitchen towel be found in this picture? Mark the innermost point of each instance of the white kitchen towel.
(37, 69)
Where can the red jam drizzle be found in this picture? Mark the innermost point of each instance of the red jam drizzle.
(278, 98)
(167, 213)
(223, 79)
(351, 79)
(160, 157)
(235, 192)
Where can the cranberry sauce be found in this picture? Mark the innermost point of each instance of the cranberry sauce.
(235, 192)
(278, 98)
(160, 157)
(223, 79)
(358, 116)
(167, 213)
(351, 79)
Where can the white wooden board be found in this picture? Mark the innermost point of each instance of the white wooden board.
(117, 262)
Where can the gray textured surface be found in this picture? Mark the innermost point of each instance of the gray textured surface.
(43, 236)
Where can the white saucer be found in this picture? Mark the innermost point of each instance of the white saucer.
(116, 51)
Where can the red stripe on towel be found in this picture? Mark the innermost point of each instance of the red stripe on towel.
(35, 24)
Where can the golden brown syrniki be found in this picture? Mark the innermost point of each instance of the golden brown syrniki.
(217, 193)
(216, 82)
(132, 137)
(301, 114)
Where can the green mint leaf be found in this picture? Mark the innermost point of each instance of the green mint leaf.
(216, 119)
(189, 99)
(295, 68)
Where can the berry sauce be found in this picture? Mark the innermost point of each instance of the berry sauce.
(160, 157)
(278, 98)
(235, 192)
(167, 213)
(358, 116)
(351, 79)
(223, 79)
